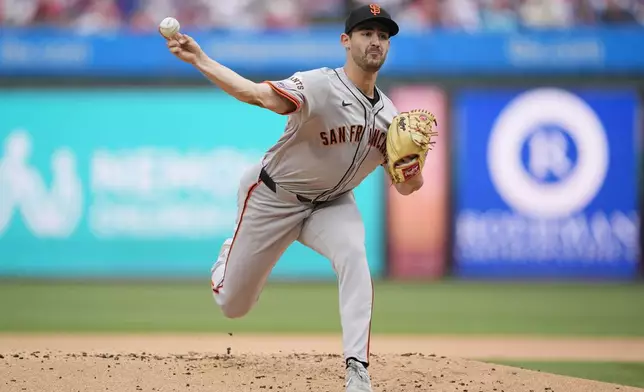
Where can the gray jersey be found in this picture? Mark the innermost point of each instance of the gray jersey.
(334, 138)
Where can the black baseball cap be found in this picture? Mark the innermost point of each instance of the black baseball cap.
(367, 13)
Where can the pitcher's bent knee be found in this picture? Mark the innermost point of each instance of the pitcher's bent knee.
(232, 312)
(232, 309)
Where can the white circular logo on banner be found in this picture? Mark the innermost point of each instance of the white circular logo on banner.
(517, 123)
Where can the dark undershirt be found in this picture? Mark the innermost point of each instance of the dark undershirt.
(375, 99)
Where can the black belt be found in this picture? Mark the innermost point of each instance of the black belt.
(272, 186)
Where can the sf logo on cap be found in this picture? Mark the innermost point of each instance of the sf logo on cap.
(375, 9)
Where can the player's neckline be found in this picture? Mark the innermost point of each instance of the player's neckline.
(358, 93)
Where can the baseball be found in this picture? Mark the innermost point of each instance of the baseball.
(169, 27)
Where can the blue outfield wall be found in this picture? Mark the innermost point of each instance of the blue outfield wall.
(137, 183)
(100, 182)
(61, 52)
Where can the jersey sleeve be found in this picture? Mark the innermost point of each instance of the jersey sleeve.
(305, 89)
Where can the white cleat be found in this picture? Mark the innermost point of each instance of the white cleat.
(223, 254)
(357, 377)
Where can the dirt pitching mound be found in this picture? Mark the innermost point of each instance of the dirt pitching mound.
(105, 371)
(293, 363)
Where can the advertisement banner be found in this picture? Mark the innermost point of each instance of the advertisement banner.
(417, 241)
(64, 52)
(546, 184)
(136, 183)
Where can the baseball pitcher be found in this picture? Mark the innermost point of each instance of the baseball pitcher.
(340, 128)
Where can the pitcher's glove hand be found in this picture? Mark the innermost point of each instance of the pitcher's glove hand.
(409, 139)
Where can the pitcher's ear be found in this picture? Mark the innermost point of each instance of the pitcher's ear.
(345, 40)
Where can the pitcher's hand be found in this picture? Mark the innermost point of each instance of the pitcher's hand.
(185, 48)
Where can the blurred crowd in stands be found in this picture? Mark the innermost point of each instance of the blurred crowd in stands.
(470, 15)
